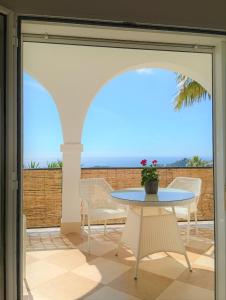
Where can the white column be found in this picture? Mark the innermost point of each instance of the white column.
(71, 218)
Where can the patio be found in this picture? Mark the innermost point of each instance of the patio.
(59, 267)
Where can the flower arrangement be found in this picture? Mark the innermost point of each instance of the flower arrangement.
(149, 175)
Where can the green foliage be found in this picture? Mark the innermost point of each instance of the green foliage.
(55, 164)
(149, 174)
(52, 164)
(33, 165)
(196, 161)
(179, 163)
(60, 163)
(189, 92)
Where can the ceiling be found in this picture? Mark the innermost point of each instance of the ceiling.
(205, 14)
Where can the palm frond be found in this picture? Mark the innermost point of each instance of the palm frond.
(189, 92)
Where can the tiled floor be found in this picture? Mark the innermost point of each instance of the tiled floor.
(59, 268)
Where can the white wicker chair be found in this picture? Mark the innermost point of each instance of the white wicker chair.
(96, 203)
(192, 185)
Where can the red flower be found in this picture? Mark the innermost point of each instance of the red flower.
(143, 162)
(154, 162)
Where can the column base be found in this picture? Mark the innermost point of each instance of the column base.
(70, 227)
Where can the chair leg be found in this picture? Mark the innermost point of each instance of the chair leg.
(105, 226)
(117, 251)
(188, 226)
(83, 222)
(196, 222)
(89, 232)
(173, 210)
(188, 262)
(136, 268)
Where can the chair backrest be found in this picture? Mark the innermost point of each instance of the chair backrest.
(95, 192)
(187, 183)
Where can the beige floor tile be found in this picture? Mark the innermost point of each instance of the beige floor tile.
(183, 291)
(198, 277)
(204, 262)
(148, 286)
(181, 258)
(210, 252)
(40, 272)
(101, 270)
(36, 297)
(166, 266)
(114, 235)
(199, 245)
(158, 255)
(107, 292)
(75, 238)
(25, 291)
(50, 278)
(124, 256)
(30, 258)
(98, 247)
(68, 286)
(43, 254)
(69, 259)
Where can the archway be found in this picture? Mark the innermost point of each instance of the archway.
(76, 81)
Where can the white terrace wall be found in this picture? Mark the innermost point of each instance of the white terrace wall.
(74, 74)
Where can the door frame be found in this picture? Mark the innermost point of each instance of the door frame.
(3, 153)
(12, 242)
(14, 206)
(219, 131)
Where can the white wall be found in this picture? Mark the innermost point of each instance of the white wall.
(75, 74)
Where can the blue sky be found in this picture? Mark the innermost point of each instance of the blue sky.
(131, 116)
(42, 128)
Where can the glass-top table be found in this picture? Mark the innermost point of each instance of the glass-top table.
(150, 226)
(165, 197)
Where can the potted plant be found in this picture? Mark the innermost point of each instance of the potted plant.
(150, 177)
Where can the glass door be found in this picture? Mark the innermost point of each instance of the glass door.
(219, 53)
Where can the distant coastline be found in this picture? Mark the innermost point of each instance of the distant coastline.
(134, 162)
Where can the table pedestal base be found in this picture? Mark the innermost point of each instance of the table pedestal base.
(151, 230)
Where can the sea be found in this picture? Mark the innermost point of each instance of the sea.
(112, 162)
(127, 162)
